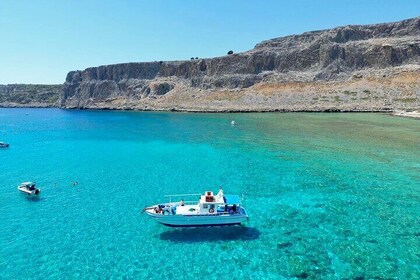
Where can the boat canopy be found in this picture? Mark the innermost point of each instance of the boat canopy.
(232, 199)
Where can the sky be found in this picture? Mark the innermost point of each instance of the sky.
(41, 41)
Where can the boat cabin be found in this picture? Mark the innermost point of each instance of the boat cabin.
(210, 204)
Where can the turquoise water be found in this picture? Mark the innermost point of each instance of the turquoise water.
(330, 196)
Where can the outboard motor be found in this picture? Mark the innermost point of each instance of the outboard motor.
(37, 191)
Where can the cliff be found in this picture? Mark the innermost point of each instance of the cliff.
(350, 68)
(27, 95)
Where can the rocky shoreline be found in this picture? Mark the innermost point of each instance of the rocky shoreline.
(407, 114)
(398, 113)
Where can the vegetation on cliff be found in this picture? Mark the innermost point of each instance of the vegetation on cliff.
(28, 95)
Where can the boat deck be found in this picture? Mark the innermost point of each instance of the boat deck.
(187, 209)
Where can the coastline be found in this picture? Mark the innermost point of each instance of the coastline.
(407, 114)
(186, 110)
(373, 70)
(398, 113)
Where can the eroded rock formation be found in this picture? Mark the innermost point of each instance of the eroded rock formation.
(354, 68)
(371, 67)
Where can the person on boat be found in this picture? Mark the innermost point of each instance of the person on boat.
(182, 203)
(220, 194)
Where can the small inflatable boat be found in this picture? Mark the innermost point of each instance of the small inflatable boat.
(29, 188)
(4, 145)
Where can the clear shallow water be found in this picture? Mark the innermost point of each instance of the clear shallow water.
(330, 195)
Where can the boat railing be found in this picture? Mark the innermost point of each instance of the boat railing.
(180, 195)
(188, 202)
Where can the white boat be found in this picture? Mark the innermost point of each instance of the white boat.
(29, 188)
(4, 145)
(209, 210)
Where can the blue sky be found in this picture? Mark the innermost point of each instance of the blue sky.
(40, 41)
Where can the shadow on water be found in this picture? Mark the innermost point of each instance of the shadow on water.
(211, 234)
(34, 198)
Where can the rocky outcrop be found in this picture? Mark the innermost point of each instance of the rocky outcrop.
(371, 67)
(27, 95)
(355, 68)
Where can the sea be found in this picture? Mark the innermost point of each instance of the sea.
(329, 195)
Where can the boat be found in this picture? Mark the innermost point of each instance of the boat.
(209, 210)
(29, 188)
(4, 145)
(232, 123)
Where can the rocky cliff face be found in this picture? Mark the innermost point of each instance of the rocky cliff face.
(371, 67)
(26, 95)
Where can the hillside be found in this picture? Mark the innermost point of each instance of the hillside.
(27, 95)
(350, 68)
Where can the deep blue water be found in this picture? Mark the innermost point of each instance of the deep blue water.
(330, 196)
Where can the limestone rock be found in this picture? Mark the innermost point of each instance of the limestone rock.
(358, 67)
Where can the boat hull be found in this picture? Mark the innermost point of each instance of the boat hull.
(28, 192)
(204, 225)
(199, 220)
